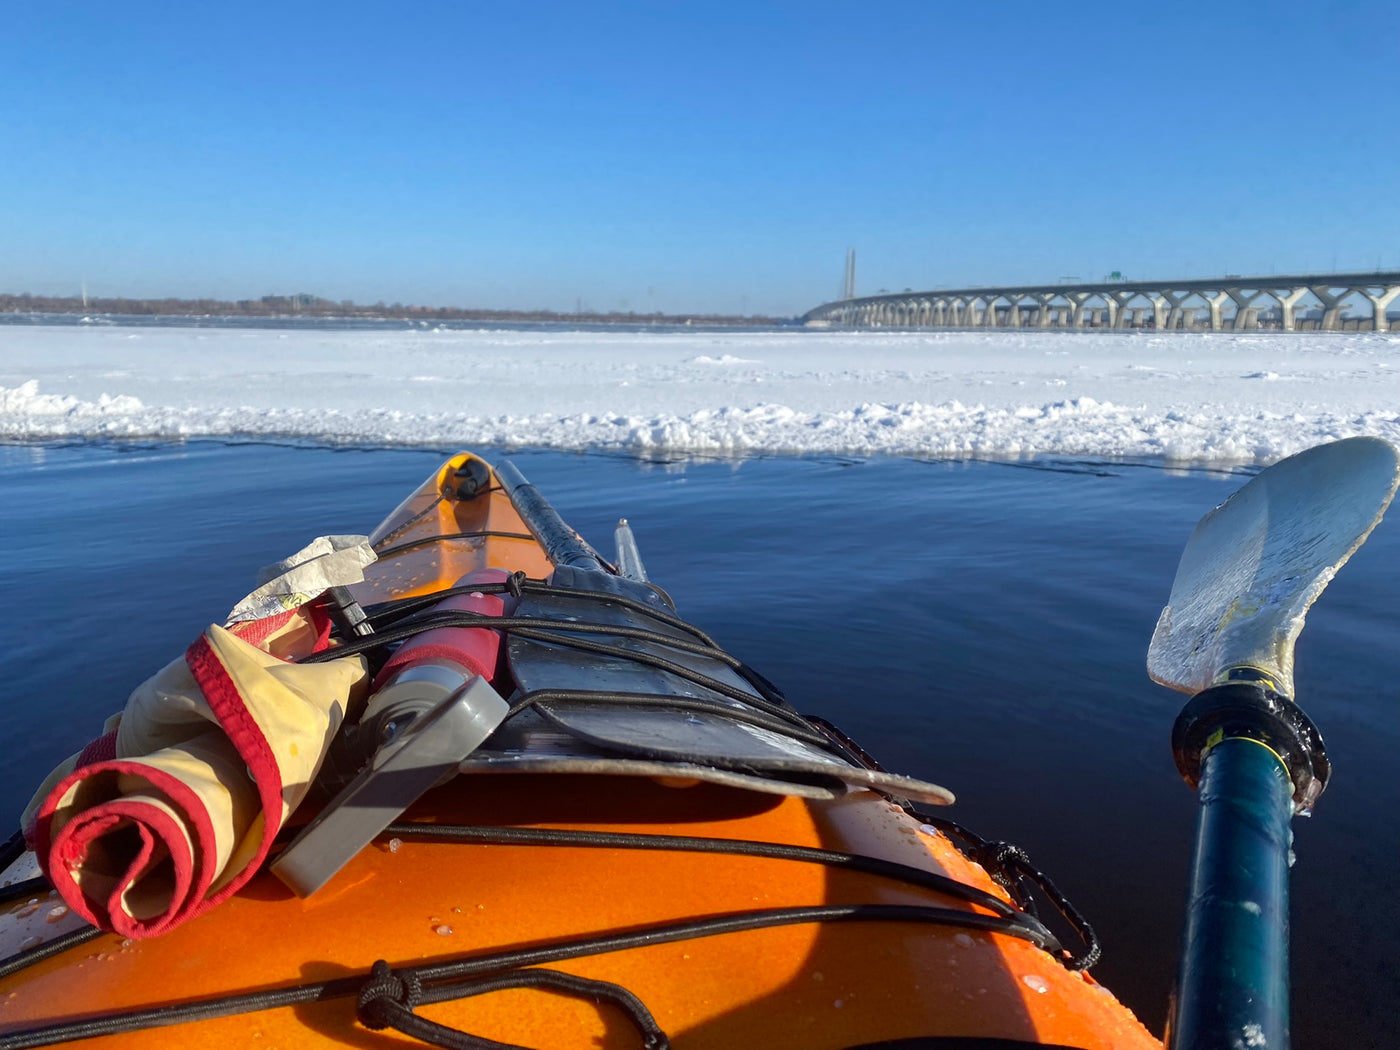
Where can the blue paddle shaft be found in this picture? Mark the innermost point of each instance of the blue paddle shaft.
(1232, 990)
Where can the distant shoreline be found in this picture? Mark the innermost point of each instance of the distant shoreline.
(308, 306)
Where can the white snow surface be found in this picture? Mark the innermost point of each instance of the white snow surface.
(1183, 397)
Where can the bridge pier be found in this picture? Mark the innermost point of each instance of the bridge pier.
(1214, 303)
(1379, 321)
(1117, 301)
(1287, 304)
(1331, 307)
(1245, 317)
(1177, 314)
(1042, 316)
(1076, 302)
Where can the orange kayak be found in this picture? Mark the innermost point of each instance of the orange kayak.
(637, 842)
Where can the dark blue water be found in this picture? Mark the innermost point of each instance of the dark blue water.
(981, 625)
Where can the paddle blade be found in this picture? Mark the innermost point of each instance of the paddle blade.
(1258, 561)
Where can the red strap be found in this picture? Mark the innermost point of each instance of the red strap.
(241, 728)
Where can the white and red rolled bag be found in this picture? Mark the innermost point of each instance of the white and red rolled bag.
(177, 806)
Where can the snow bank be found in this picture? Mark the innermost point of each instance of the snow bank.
(1189, 398)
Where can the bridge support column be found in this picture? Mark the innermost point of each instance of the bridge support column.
(1116, 301)
(1042, 312)
(1176, 318)
(1076, 308)
(1287, 304)
(1013, 312)
(1331, 307)
(1379, 321)
(1216, 302)
(1245, 318)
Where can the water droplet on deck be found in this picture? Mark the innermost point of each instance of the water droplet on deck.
(28, 942)
(443, 931)
(838, 1004)
(1036, 983)
(57, 912)
(963, 940)
(394, 845)
(928, 829)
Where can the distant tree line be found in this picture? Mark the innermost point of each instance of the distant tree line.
(304, 305)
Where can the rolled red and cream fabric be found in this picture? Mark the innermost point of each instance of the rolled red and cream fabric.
(209, 758)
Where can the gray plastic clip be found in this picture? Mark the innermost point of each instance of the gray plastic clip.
(428, 748)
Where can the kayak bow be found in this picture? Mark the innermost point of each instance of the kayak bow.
(645, 842)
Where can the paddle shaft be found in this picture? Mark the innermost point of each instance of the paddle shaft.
(1232, 989)
(562, 545)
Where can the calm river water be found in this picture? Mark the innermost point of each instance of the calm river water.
(982, 625)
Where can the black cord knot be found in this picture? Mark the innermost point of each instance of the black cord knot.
(994, 855)
(514, 584)
(384, 991)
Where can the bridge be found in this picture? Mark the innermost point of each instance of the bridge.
(1290, 303)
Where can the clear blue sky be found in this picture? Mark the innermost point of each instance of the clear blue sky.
(713, 156)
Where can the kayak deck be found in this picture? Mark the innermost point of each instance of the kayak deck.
(411, 903)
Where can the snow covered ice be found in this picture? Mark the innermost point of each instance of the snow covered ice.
(1191, 398)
